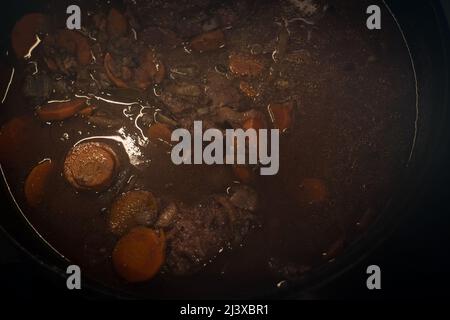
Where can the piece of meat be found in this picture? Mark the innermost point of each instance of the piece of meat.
(116, 24)
(184, 72)
(237, 119)
(75, 43)
(167, 216)
(182, 14)
(244, 197)
(201, 231)
(105, 121)
(91, 166)
(157, 36)
(221, 91)
(123, 183)
(39, 87)
(175, 104)
(183, 88)
(131, 209)
(151, 70)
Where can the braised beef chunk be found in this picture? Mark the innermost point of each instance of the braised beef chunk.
(202, 231)
(244, 197)
(188, 18)
(38, 87)
(221, 91)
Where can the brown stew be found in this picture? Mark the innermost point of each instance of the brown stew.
(85, 139)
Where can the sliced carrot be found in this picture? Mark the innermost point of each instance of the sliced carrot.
(243, 173)
(256, 123)
(139, 254)
(246, 65)
(247, 89)
(75, 43)
(151, 70)
(160, 131)
(208, 41)
(36, 183)
(108, 64)
(60, 110)
(313, 190)
(160, 72)
(87, 111)
(116, 25)
(281, 114)
(23, 35)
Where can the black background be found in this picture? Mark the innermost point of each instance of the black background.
(415, 260)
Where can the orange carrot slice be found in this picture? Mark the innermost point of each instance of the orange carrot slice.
(108, 64)
(246, 65)
(23, 35)
(243, 173)
(248, 89)
(255, 123)
(281, 114)
(60, 110)
(36, 183)
(139, 254)
(160, 131)
(208, 41)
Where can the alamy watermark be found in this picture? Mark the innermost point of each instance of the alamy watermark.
(235, 146)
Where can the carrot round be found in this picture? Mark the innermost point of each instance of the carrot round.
(60, 110)
(281, 114)
(23, 35)
(255, 123)
(208, 41)
(108, 64)
(36, 183)
(245, 65)
(139, 254)
(150, 70)
(160, 131)
(248, 89)
(86, 111)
